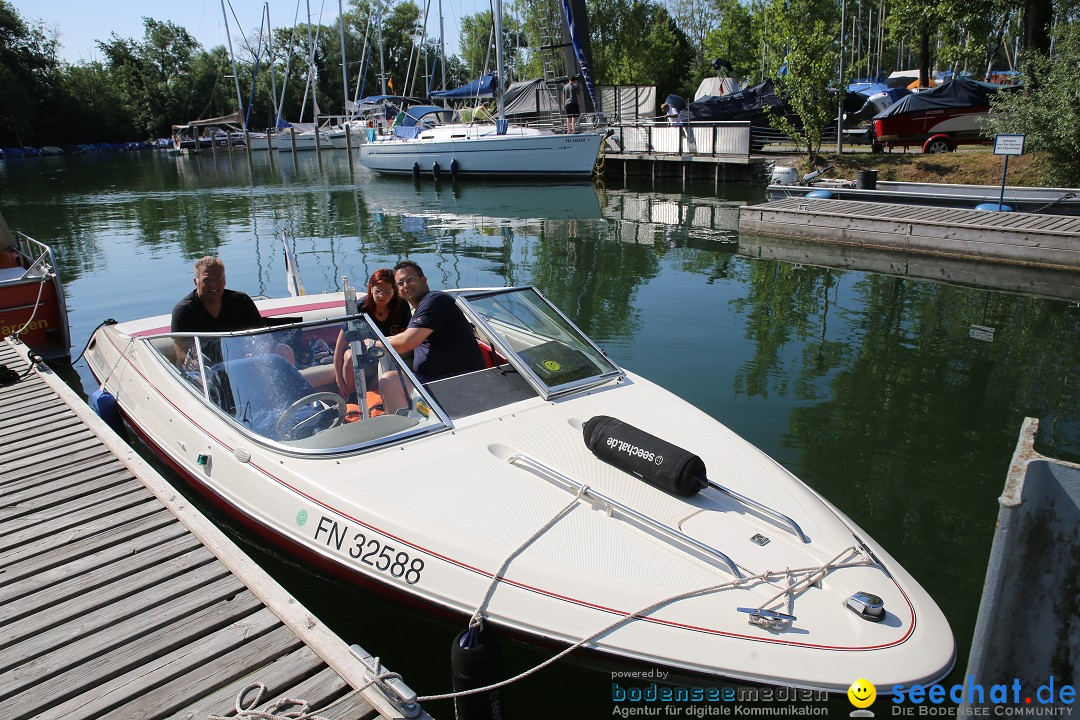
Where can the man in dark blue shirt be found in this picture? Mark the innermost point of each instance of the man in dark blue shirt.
(439, 334)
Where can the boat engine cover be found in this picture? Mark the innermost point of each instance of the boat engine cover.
(639, 453)
(782, 175)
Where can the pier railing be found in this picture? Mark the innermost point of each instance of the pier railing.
(717, 139)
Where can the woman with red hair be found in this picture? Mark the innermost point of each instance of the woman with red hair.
(391, 315)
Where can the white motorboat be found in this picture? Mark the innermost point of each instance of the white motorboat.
(356, 131)
(301, 137)
(479, 494)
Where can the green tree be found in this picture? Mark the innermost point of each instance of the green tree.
(637, 42)
(806, 68)
(478, 45)
(1048, 112)
(28, 74)
(729, 39)
(154, 75)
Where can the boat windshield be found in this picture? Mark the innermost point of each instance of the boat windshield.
(553, 354)
(280, 383)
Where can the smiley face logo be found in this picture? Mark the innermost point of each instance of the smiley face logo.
(862, 693)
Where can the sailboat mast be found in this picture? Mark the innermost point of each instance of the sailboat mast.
(497, 12)
(270, 56)
(236, 77)
(442, 48)
(344, 69)
(311, 68)
(382, 63)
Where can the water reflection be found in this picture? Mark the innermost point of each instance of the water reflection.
(870, 386)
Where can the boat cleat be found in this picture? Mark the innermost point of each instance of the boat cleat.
(768, 619)
(392, 687)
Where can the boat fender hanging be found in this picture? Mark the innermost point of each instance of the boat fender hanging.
(476, 661)
(103, 403)
(454, 167)
(416, 170)
(436, 171)
(667, 466)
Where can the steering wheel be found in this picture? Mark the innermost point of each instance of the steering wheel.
(332, 402)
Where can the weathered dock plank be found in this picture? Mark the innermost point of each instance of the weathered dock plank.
(119, 600)
(1020, 238)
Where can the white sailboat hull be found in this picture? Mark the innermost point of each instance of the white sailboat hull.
(464, 150)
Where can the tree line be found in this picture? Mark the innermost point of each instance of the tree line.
(142, 86)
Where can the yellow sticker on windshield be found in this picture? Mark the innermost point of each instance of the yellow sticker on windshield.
(552, 366)
(422, 408)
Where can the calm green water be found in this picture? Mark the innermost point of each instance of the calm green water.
(868, 387)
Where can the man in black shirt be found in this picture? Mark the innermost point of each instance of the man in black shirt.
(210, 307)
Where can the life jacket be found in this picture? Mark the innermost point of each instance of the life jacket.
(374, 403)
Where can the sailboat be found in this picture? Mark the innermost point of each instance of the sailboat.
(434, 145)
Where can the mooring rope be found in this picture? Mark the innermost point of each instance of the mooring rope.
(478, 615)
(37, 303)
(303, 711)
(813, 574)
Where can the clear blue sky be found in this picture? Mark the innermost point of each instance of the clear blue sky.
(81, 22)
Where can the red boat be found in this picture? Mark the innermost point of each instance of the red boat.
(31, 295)
(951, 114)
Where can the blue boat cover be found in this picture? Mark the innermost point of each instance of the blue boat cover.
(416, 113)
(483, 86)
(867, 87)
(960, 92)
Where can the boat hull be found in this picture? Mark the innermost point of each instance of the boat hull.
(284, 142)
(1054, 201)
(33, 304)
(960, 125)
(489, 155)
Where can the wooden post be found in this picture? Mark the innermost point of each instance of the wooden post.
(348, 147)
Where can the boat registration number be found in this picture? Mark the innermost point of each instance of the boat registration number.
(371, 551)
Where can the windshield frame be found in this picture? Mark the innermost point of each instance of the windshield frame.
(547, 392)
(439, 421)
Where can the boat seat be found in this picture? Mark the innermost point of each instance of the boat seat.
(257, 390)
(11, 274)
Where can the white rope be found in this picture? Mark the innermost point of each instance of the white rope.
(127, 346)
(37, 304)
(477, 619)
(765, 576)
(272, 712)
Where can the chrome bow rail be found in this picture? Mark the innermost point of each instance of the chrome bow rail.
(576, 487)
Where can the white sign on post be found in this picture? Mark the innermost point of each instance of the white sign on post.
(1009, 144)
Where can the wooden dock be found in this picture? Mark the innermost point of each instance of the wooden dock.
(120, 600)
(1051, 241)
